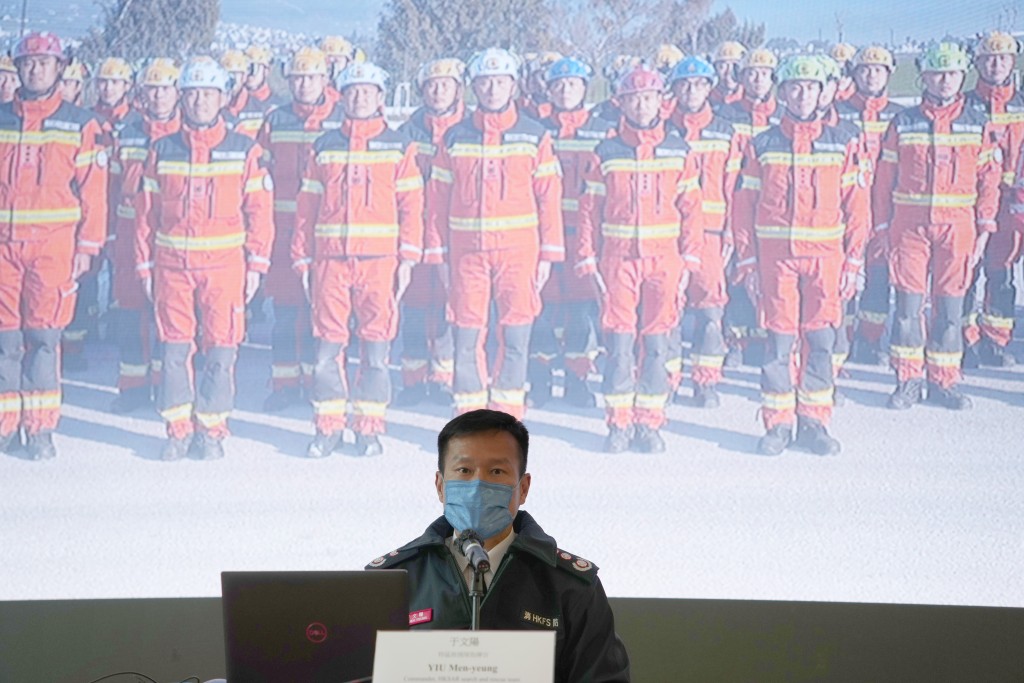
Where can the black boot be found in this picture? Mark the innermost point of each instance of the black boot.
(176, 449)
(776, 440)
(971, 360)
(733, 357)
(10, 442)
(951, 398)
(838, 397)
(812, 436)
(577, 393)
(323, 444)
(706, 396)
(206, 447)
(440, 394)
(994, 355)
(411, 395)
(865, 352)
(368, 445)
(130, 400)
(282, 399)
(40, 446)
(907, 394)
(617, 440)
(647, 440)
(540, 385)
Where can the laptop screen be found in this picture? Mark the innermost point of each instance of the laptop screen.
(309, 626)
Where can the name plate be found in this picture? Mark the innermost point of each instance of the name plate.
(464, 657)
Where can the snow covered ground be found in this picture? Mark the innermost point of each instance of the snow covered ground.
(924, 506)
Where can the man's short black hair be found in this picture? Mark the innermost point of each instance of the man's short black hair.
(484, 420)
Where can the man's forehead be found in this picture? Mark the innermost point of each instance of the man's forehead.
(489, 446)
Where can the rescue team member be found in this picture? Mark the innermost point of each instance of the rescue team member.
(340, 53)
(358, 232)
(714, 143)
(726, 60)
(640, 236)
(614, 70)
(871, 111)
(53, 222)
(935, 199)
(113, 82)
(996, 95)
(287, 137)
(496, 222)
(205, 228)
(427, 348)
(482, 482)
(751, 115)
(533, 100)
(138, 371)
(257, 81)
(246, 112)
(9, 81)
(843, 55)
(800, 224)
(567, 326)
(72, 81)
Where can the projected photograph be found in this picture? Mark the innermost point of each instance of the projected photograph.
(748, 273)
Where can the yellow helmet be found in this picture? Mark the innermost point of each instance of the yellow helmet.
(729, 51)
(75, 71)
(234, 61)
(997, 43)
(160, 72)
(440, 68)
(666, 57)
(336, 46)
(358, 56)
(542, 60)
(259, 54)
(761, 57)
(7, 64)
(842, 52)
(114, 69)
(874, 55)
(307, 61)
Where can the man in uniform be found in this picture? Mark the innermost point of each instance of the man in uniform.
(482, 481)
(496, 222)
(726, 60)
(640, 237)
(246, 112)
(358, 233)
(989, 334)
(427, 347)
(800, 224)
(714, 143)
(205, 229)
(72, 81)
(934, 203)
(843, 54)
(9, 81)
(138, 369)
(53, 222)
(287, 137)
(257, 81)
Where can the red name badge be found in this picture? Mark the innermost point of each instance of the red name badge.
(423, 616)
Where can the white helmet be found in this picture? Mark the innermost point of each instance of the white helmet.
(204, 72)
(362, 72)
(493, 61)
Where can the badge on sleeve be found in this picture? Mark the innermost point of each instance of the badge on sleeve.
(102, 158)
(268, 183)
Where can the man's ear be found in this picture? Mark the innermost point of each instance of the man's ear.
(524, 487)
(439, 485)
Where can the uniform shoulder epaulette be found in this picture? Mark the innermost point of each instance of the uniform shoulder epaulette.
(392, 559)
(585, 570)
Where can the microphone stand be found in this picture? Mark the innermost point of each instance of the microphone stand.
(476, 596)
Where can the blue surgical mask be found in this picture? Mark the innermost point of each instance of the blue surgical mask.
(478, 505)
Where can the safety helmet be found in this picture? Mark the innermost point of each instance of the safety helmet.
(618, 66)
(493, 61)
(943, 57)
(997, 43)
(803, 68)
(336, 46)
(363, 72)
(842, 52)
(448, 67)
(833, 72)
(38, 43)
(75, 70)
(729, 51)
(358, 55)
(666, 57)
(541, 61)
(259, 54)
(640, 79)
(569, 67)
(307, 61)
(874, 55)
(234, 61)
(114, 69)
(694, 67)
(7, 64)
(761, 57)
(204, 72)
(159, 72)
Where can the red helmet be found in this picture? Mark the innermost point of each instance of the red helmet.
(640, 79)
(39, 43)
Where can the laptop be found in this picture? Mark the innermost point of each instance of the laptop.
(309, 626)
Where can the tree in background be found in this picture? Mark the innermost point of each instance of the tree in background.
(138, 29)
(596, 29)
(690, 25)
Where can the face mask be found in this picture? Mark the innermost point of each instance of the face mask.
(478, 505)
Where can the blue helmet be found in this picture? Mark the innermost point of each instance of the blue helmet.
(694, 67)
(569, 67)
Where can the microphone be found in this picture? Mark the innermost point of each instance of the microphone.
(473, 550)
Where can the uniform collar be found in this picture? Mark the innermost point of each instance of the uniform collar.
(39, 109)
(995, 95)
(765, 107)
(363, 129)
(440, 123)
(868, 103)
(948, 111)
(496, 121)
(205, 137)
(529, 538)
(638, 137)
(693, 121)
(261, 93)
(801, 130)
(116, 113)
(318, 111)
(157, 128)
(569, 122)
(239, 101)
